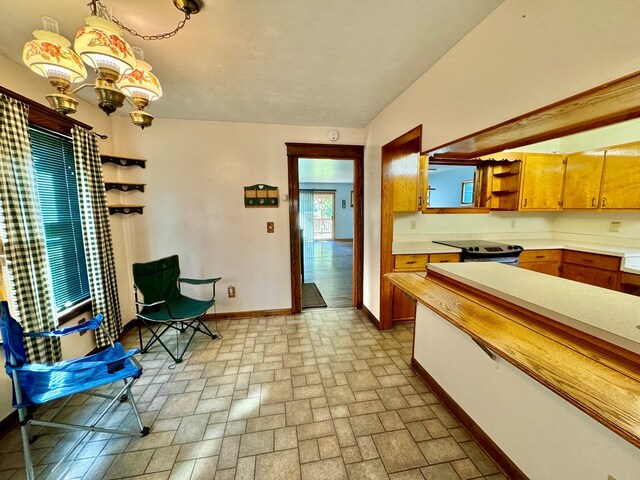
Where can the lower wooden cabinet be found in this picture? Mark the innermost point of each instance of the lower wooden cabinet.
(404, 309)
(591, 268)
(543, 261)
(630, 283)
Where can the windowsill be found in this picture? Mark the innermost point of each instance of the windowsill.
(70, 313)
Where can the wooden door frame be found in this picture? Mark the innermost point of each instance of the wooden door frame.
(412, 140)
(295, 151)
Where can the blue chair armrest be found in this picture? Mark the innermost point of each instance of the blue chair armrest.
(92, 324)
(194, 281)
(76, 364)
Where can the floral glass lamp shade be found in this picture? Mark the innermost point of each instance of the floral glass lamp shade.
(101, 46)
(142, 87)
(49, 55)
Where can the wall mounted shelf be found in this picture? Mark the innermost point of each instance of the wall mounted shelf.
(125, 209)
(122, 161)
(124, 187)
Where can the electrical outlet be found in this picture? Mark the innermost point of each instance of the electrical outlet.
(231, 291)
(270, 227)
(513, 223)
(413, 224)
(615, 227)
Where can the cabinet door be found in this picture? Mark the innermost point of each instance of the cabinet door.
(582, 180)
(405, 171)
(621, 179)
(542, 182)
(592, 276)
(403, 307)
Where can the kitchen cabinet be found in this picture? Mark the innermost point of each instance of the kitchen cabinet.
(504, 185)
(621, 178)
(582, 179)
(408, 175)
(594, 269)
(542, 180)
(630, 283)
(404, 309)
(543, 261)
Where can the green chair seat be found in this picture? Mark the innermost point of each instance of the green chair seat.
(182, 308)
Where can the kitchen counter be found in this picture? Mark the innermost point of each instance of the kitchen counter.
(630, 256)
(606, 314)
(409, 248)
(577, 341)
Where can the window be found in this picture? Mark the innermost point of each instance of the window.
(58, 195)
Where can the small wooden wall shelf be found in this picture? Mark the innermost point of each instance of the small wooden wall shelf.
(124, 187)
(123, 162)
(261, 195)
(125, 209)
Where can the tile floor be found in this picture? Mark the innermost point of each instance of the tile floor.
(320, 395)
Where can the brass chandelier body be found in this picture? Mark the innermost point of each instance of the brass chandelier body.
(119, 75)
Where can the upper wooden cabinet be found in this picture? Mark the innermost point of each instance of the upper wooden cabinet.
(621, 178)
(582, 180)
(408, 186)
(542, 180)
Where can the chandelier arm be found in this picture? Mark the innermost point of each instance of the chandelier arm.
(75, 90)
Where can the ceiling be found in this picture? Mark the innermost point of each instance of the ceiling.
(303, 62)
(320, 170)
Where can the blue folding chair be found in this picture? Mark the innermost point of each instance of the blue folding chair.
(37, 384)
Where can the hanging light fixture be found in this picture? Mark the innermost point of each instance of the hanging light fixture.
(142, 87)
(49, 55)
(100, 45)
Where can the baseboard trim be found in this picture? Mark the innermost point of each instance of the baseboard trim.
(248, 314)
(372, 318)
(8, 423)
(343, 240)
(507, 466)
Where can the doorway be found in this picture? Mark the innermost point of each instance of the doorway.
(329, 252)
(326, 221)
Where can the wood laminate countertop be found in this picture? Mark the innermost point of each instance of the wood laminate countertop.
(484, 300)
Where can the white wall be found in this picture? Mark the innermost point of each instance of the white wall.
(343, 216)
(543, 434)
(524, 55)
(195, 176)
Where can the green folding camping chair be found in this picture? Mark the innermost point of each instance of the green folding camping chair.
(165, 308)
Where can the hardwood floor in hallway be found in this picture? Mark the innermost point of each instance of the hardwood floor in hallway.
(330, 265)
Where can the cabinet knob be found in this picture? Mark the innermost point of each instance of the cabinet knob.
(593, 202)
(525, 202)
(604, 201)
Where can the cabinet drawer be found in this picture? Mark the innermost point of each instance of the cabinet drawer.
(550, 268)
(444, 258)
(411, 262)
(592, 260)
(630, 279)
(540, 256)
(592, 276)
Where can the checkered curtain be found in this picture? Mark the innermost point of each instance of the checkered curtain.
(96, 233)
(26, 269)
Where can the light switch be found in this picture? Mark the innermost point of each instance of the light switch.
(270, 227)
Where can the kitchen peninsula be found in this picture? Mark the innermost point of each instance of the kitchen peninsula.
(547, 370)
